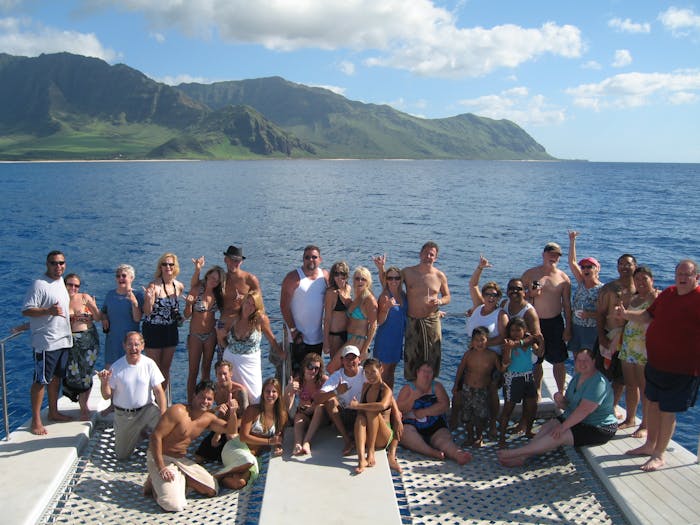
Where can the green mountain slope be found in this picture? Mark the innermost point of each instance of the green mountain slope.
(63, 106)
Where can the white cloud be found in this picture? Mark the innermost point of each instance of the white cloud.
(591, 64)
(347, 68)
(335, 89)
(183, 78)
(680, 22)
(158, 37)
(517, 105)
(415, 35)
(627, 26)
(622, 58)
(630, 90)
(26, 38)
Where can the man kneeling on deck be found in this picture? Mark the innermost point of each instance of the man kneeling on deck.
(170, 473)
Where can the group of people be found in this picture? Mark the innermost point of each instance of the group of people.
(326, 315)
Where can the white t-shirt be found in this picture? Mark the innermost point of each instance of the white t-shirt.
(49, 332)
(355, 383)
(132, 385)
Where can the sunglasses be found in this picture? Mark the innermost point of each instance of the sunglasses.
(490, 294)
(72, 285)
(393, 278)
(169, 265)
(359, 278)
(515, 288)
(307, 257)
(587, 266)
(57, 263)
(313, 367)
(341, 274)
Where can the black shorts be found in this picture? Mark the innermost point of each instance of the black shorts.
(673, 392)
(554, 346)
(519, 386)
(348, 417)
(428, 432)
(160, 335)
(589, 435)
(49, 364)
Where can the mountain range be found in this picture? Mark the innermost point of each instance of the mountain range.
(65, 106)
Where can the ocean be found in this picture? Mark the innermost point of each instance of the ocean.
(101, 214)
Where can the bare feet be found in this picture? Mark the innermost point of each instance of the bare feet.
(644, 450)
(306, 448)
(394, 464)
(39, 429)
(619, 414)
(361, 465)
(516, 461)
(627, 423)
(436, 454)
(148, 487)
(462, 457)
(371, 460)
(58, 417)
(349, 447)
(277, 451)
(640, 433)
(654, 463)
(298, 450)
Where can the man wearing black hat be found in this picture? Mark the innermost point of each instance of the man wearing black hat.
(238, 281)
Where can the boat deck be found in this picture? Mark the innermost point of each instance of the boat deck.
(85, 484)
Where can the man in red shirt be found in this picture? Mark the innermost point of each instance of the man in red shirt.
(673, 352)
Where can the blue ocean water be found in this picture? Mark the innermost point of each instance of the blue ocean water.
(105, 213)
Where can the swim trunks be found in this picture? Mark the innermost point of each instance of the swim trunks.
(423, 344)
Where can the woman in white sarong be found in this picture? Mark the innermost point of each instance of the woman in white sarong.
(241, 336)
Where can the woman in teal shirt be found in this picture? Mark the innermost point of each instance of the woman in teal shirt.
(588, 417)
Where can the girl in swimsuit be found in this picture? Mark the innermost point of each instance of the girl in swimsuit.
(335, 322)
(205, 298)
(305, 389)
(372, 426)
(263, 424)
(362, 316)
(162, 315)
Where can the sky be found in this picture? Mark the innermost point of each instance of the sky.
(604, 80)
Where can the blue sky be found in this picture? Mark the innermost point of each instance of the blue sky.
(608, 80)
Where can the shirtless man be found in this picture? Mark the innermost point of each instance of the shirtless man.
(238, 281)
(426, 291)
(550, 293)
(301, 303)
(170, 472)
(610, 326)
(230, 397)
(472, 380)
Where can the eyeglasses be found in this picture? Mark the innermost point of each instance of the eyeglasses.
(491, 294)
(57, 263)
(515, 288)
(393, 277)
(313, 367)
(587, 266)
(169, 265)
(73, 285)
(307, 257)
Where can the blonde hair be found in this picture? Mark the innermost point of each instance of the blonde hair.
(364, 272)
(159, 271)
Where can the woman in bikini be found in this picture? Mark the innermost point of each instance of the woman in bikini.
(241, 336)
(335, 322)
(206, 297)
(372, 426)
(263, 424)
(305, 390)
(86, 345)
(162, 316)
(362, 316)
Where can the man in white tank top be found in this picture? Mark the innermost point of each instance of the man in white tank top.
(301, 304)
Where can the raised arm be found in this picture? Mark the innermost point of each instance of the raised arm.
(474, 290)
(573, 265)
(195, 280)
